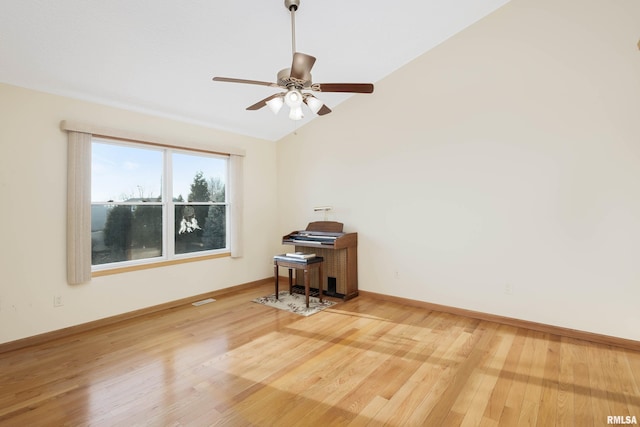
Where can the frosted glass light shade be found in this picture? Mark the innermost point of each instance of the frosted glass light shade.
(296, 113)
(314, 104)
(275, 104)
(293, 98)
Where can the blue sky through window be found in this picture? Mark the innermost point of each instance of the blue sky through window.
(121, 172)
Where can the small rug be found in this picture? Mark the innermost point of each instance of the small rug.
(295, 303)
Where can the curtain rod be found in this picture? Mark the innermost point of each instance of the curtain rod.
(106, 132)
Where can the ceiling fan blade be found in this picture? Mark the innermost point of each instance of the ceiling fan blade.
(258, 105)
(302, 65)
(250, 82)
(344, 87)
(324, 110)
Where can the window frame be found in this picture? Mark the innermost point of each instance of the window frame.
(168, 256)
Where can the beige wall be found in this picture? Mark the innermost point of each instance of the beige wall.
(33, 218)
(507, 156)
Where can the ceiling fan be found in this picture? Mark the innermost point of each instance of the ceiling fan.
(297, 81)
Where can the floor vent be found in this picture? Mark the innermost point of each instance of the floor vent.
(204, 301)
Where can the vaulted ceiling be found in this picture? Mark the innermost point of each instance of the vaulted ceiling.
(158, 56)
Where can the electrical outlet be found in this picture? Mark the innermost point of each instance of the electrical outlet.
(508, 289)
(57, 301)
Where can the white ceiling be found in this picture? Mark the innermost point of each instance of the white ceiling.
(158, 56)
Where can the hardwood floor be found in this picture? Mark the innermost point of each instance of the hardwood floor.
(362, 362)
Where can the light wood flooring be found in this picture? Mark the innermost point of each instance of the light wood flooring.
(362, 362)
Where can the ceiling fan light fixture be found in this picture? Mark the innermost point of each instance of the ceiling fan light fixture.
(293, 98)
(314, 104)
(275, 104)
(296, 113)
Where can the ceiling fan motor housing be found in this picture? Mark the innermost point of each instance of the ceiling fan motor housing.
(285, 80)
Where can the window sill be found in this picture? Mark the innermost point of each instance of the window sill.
(157, 264)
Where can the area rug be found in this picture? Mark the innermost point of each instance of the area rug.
(294, 303)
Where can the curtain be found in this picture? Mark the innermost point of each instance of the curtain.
(79, 208)
(236, 205)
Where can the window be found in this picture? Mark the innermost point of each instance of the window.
(151, 203)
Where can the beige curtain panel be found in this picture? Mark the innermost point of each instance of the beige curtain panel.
(79, 208)
(236, 208)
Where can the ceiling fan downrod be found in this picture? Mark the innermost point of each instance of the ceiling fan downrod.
(292, 6)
